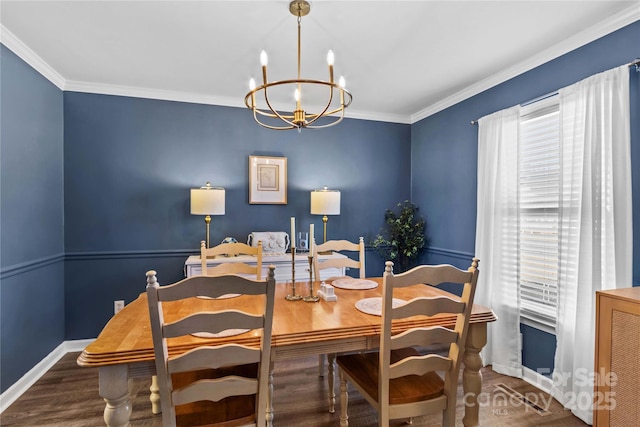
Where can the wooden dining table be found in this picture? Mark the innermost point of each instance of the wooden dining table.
(124, 348)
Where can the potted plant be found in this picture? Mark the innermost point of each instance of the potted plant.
(404, 236)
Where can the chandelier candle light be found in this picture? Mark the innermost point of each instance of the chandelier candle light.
(332, 113)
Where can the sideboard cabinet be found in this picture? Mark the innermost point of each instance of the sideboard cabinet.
(282, 262)
(617, 358)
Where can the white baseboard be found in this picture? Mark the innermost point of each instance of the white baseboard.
(22, 385)
(537, 380)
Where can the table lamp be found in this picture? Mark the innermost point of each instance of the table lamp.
(325, 202)
(207, 201)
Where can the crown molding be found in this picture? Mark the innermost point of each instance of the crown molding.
(167, 95)
(378, 117)
(615, 22)
(607, 26)
(16, 45)
(149, 93)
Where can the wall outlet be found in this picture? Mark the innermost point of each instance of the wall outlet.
(117, 306)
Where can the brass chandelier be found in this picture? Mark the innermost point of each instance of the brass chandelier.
(269, 117)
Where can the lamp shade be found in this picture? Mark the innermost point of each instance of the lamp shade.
(325, 202)
(207, 200)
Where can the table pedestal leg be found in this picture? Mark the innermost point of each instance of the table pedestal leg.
(331, 367)
(269, 409)
(471, 376)
(114, 389)
(155, 396)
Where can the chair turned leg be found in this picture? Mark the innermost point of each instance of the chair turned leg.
(449, 416)
(344, 401)
(155, 395)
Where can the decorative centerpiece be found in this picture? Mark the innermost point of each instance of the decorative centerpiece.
(273, 242)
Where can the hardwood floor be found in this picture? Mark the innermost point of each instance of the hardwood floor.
(67, 396)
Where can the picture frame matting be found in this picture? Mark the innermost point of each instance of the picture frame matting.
(267, 180)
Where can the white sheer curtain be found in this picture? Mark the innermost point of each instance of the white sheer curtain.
(497, 237)
(596, 225)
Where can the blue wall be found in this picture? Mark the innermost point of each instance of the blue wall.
(129, 165)
(31, 218)
(444, 150)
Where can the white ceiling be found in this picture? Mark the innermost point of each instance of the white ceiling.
(403, 60)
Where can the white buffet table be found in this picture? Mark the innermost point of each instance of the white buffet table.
(282, 263)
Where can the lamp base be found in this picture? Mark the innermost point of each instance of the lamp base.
(207, 221)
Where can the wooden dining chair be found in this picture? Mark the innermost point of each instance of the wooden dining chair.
(398, 380)
(339, 246)
(211, 384)
(227, 251)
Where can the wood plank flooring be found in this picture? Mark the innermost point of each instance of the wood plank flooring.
(67, 396)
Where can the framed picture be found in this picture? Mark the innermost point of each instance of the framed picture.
(267, 180)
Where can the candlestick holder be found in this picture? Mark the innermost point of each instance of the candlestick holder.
(293, 296)
(311, 297)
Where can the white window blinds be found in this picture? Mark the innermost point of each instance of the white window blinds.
(539, 210)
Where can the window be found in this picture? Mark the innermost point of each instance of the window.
(555, 221)
(539, 210)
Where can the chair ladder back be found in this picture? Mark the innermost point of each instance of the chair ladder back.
(211, 356)
(215, 390)
(232, 268)
(228, 250)
(401, 364)
(338, 263)
(340, 246)
(201, 286)
(213, 322)
(419, 365)
(433, 275)
(423, 337)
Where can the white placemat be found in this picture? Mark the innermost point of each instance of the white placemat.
(225, 333)
(374, 305)
(332, 278)
(353, 283)
(225, 296)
